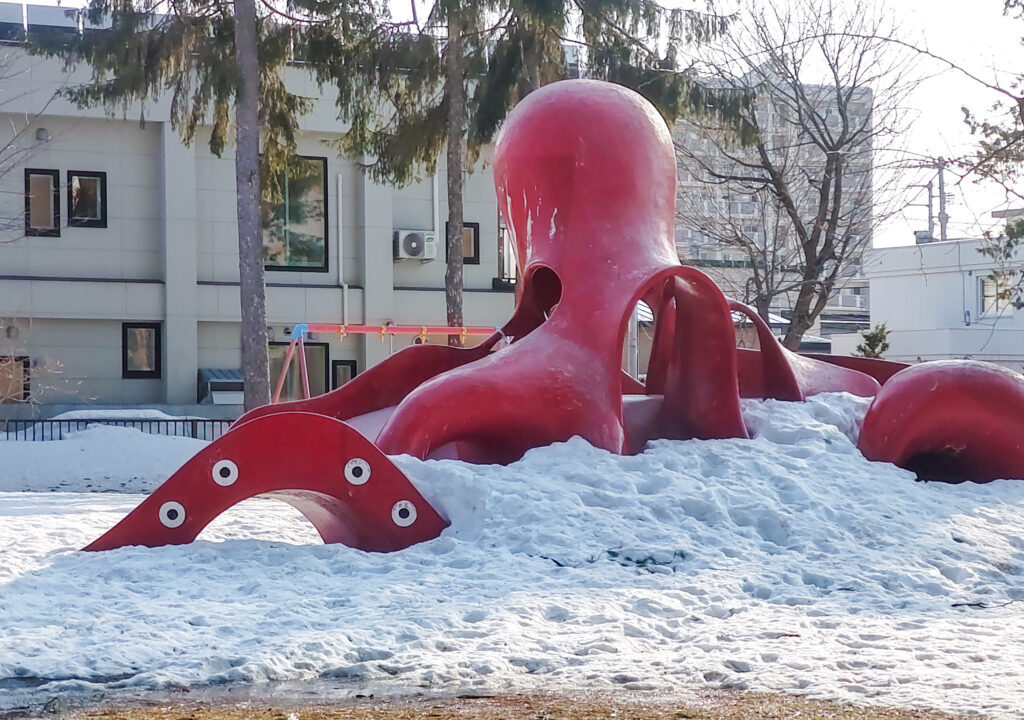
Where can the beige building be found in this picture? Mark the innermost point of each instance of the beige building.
(118, 253)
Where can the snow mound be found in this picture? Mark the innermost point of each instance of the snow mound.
(100, 458)
(786, 562)
(117, 414)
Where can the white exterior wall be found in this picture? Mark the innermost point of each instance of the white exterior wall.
(79, 361)
(929, 297)
(169, 253)
(131, 244)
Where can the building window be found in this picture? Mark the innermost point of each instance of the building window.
(15, 384)
(293, 214)
(87, 199)
(506, 258)
(341, 372)
(317, 366)
(993, 296)
(470, 243)
(42, 203)
(140, 350)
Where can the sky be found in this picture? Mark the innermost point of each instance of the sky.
(978, 37)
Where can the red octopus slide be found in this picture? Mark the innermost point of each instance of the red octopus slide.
(585, 175)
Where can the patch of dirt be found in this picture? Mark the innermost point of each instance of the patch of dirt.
(709, 705)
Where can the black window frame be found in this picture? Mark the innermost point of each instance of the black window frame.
(26, 363)
(335, 364)
(101, 222)
(473, 259)
(157, 372)
(327, 361)
(327, 228)
(38, 232)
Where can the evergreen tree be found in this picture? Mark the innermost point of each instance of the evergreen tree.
(875, 343)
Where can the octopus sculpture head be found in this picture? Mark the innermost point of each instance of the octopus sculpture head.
(585, 174)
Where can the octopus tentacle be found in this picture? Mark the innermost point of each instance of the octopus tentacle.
(336, 478)
(532, 393)
(383, 385)
(949, 420)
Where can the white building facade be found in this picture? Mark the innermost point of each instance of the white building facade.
(940, 301)
(119, 262)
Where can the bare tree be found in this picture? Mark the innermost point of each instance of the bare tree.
(15, 365)
(794, 196)
(24, 379)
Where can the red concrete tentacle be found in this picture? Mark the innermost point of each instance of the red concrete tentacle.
(778, 380)
(816, 377)
(535, 392)
(663, 343)
(337, 479)
(951, 420)
(630, 385)
(701, 393)
(383, 385)
(784, 375)
(880, 370)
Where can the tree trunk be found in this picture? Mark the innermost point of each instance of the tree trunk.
(252, 288)
(456, 122)
(802, 318)
(762, 303)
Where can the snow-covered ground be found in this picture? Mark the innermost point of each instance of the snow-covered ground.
(118, 414)
(787, 562)
(98, 459)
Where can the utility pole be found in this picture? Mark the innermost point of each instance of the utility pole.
(939, 165)
(943, 217)
(931, 217)
(931, 200)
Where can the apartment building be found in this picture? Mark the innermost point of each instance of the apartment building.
(119, 263)
(722, 224)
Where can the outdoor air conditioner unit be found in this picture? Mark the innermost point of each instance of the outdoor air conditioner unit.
(415, 245)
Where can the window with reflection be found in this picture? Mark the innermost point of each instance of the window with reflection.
(14, 379)
(995, 296)
(87, 199)
(293, 214)
(42, 203)
(140, 350)
(470, 243)
(341, 372)
(316, 367)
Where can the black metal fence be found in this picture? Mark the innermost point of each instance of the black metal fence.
(57, 429)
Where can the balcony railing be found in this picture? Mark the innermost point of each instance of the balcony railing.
(849, 301)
